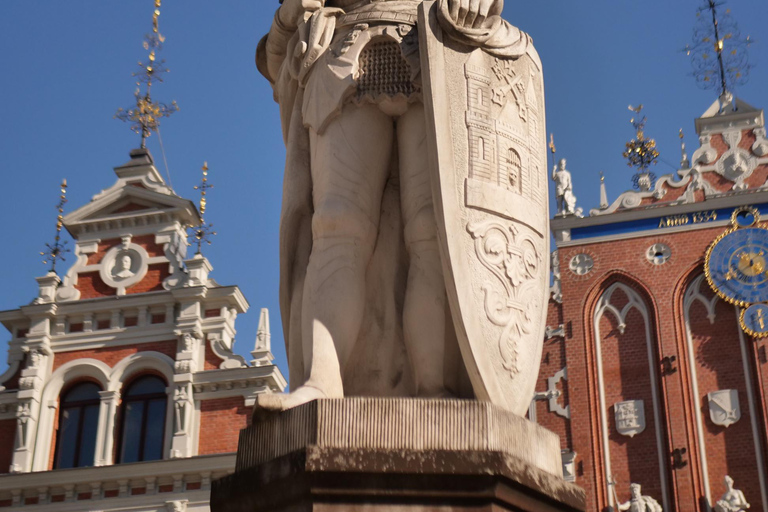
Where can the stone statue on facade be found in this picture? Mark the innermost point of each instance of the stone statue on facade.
(638, 502)
(373, 295)
(733, 500)
(566, 201)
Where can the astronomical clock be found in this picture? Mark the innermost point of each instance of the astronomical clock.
(736, 267)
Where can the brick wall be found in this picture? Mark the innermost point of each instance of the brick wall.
(626, 372)
(113, 355)
(663, 288)
(719, 365)
(7, 440)
(220, 423)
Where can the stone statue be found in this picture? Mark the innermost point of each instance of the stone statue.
(368, 297)
(733, 500)
(566, 201)
(638, 502)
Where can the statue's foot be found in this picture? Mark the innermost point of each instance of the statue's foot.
(271, 403)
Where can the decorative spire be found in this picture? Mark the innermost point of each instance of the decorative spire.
(718, 51)
(56, 252)
(262, 354)
(146, 114)
(641, 153)
(203, 232)
(603, 193)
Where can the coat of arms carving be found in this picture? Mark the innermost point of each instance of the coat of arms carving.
(724, 407)
(630, 417)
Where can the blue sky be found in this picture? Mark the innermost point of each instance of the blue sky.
(67, 67)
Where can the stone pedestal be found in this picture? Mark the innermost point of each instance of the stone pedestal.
(377, 454)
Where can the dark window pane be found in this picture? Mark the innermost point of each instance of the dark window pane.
(153, 442)
(81, 392)
(133, 413)
(68, 423)
(88, 436)
(146, 386)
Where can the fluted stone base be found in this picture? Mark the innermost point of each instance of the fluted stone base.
(396, 454)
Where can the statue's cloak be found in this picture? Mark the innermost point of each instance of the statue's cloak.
(379, 364)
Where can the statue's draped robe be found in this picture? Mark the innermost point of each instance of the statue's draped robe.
(379, 364)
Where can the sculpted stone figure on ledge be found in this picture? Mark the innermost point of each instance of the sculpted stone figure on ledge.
(414, 221)
(733, 500)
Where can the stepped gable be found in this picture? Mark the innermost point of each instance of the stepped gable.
(732, 159)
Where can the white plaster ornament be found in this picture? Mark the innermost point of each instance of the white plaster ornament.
(724, 409)
(630, 417)
(733, 500)
(581, 264)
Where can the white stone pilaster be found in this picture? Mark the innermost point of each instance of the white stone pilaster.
(106, 429)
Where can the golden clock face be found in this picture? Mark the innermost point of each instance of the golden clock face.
(737, 266)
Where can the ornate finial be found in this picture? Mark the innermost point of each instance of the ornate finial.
(146, 114)
(684, 162)
(603, 193)
(56, 251)
(641, 152)
(718, 51)
(203, 232)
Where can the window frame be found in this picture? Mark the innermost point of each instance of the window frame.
(145, 400)
(80, 405)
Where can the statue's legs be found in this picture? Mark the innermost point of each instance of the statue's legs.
(350, 165)
(425, 298)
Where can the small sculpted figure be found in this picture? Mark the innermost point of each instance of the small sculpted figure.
(359, 237)
(733, 500)
(566, 201)
(638, 502)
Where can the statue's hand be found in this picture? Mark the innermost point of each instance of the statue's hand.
(291, 11)
(474, 13)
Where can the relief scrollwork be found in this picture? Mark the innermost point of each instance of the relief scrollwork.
(515, 261)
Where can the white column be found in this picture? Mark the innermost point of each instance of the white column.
(105, 436)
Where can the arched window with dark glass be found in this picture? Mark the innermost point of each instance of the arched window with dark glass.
(78, 423)
(143, 420)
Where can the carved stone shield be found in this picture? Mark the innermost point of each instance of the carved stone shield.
(630, 417)
(724, 407)
(487, 143)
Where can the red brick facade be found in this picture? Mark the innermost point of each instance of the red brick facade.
(220, 423)
(113, 355)
(670, 347)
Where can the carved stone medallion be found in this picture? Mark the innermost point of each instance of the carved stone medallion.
(581, 264)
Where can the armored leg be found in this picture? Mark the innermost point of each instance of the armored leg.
(350, 164)
(425, 299)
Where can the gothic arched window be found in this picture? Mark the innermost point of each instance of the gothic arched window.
(143, 420)
(78, 423)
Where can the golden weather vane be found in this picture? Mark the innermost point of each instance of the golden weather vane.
(145, 115)
(54, 252)
(718, 51)
(203, 232)
(641, 152)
